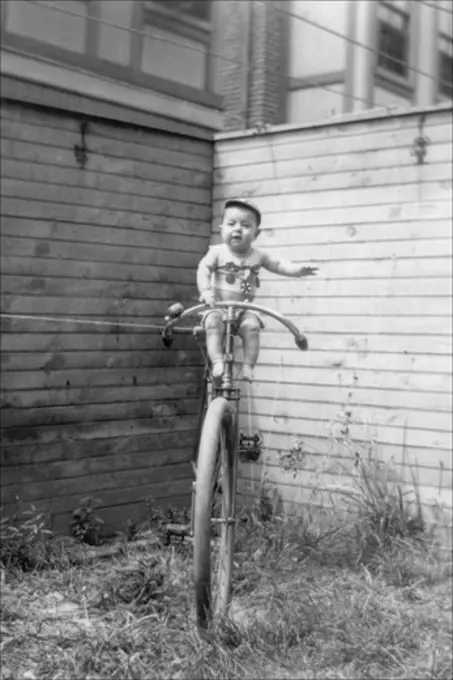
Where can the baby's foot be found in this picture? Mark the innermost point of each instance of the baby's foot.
(218, 368)
(247, 373)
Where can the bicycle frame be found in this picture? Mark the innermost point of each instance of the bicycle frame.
(227, 388)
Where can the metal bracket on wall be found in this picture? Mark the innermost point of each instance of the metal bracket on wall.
(420, 143)
(81, 150)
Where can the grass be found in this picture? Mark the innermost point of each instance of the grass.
(368, 597)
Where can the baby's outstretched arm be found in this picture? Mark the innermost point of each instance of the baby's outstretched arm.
(286, 267)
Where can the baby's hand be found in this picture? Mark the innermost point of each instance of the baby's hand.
(208, 297)
(308, 271)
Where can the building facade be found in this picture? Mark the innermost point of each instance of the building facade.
(153, 58)
(304, 61)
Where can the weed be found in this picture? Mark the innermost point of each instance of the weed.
(24, 540)
(85, 524)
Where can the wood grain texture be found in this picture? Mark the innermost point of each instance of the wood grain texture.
(352, 200)
(91, 410)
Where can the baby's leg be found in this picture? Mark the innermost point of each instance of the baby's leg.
(215, 330)
(249, 331)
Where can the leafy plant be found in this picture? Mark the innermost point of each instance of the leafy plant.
(24, 540)
(85, 524)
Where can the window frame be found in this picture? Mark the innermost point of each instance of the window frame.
(404, 85)
(185, 25)
(155, 14)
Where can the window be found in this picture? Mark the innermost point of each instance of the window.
(393, 38)
(446, 65)
(197, 9)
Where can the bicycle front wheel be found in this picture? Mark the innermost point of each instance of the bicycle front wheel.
(214, 506)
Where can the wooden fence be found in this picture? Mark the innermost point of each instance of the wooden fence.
(355, 199)
(87, 410)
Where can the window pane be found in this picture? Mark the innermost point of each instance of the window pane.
(200, 9)
(392, 47)
(445, 76)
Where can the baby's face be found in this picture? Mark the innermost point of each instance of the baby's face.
(239, 229)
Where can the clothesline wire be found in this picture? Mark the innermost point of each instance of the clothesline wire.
(93, 322)
(251, 67)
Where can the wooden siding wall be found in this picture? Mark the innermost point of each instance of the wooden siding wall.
(86, 410)
(352, 200)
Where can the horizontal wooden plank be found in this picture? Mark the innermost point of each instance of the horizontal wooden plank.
(385, 305)
(324, 448)
(84, 288)
(383, 434)
(372, 268)
(325, 182)
(352, 288)
(325, 235)
(117, 516)
(343, 396)
(357, 251)
(92, 483)
(86, 214)
(376, 324)
(313, 469)
(411, 463)
(67, 122)
(386, 315)
(326, 489)
(344, 213)
(262, 174)
(299, 498)
(76, 341)
(282, 373)
(82, 307)
(362, 343)
(389, 124)
(94, 198)
(132, 186)
(137, 494)
(83, 431)
(168, 404)
(40, 134)
(69, 450)
(184, 382)
(60, 369)
(298, 309)
(146, 461)
(304, 146)
(280, 412)
(158, 233)
(71, 338)
(391, 196)
(416, 363)
(69, 250)
(32, 152)
(46, 266)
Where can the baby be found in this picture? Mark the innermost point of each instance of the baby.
(230, 272)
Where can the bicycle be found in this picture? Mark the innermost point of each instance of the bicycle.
(216, 464)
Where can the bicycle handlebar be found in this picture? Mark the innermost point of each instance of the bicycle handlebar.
(177, 313)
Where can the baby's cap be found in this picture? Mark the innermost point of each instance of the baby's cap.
(244, 203)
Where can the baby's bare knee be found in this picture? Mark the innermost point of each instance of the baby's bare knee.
(214, 322)
(249, 326)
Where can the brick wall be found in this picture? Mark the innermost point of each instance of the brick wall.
(253, 70)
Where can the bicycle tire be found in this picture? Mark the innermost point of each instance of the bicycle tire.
(213, 585)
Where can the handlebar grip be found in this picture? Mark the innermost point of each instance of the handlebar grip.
(302, 342)
(174, 311)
